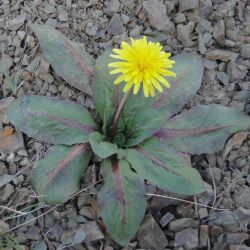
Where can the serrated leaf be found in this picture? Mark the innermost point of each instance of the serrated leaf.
(121, 201)
(164, 167)
(189, 71)
(142, 124)
(203, 129)
(52, 120)
(101, 147)
(68, 59)
(58, 174)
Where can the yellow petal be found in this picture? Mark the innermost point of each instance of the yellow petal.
(157, 85)
(145, 89)
(136, 88)
(151, 90)
(128, 86)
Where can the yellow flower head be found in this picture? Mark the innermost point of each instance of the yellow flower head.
(142, 62)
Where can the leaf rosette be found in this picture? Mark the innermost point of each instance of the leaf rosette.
(150, 136)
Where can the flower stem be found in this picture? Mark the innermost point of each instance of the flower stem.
(117, 115)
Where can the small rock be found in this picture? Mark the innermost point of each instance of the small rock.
(44, 88)
(40, 245)
(242, 96)
(236, 71)
(115, 26)
(21, 34)
(204, 234)
(231, 221)
(244, 85)
(46, 77)
(222, 55)
(62, 14)
(27, 76)
(53, 89)
(166, 219)
(16, 42)
(187, 238)
(223, 77)
(203, 213)
(17, 22)
(205, 8)
(91, 29)
(4, 104)
(49, 8)
(219, 31)
(6, 192)
(188, 5)
(136, 31)
(215, 231)
(245, 51)
(150, 235)
(34, 64)
(6, 178)
(207, 196)
(8, 61)
(208, 64)
(216, 175)
(203, 25)
(4, 227)
(30, 41)
(242, 198)
(238, 247)
(223, 241)
(183, 31)
(33, 233)
(157, 14)
(180, 18)
(112, 7)
(201, 44)
(87, 212)
(180, 224)
(86, 232)
(83, 200)
(125, 19)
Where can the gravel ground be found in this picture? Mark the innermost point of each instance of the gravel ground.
(216, 29)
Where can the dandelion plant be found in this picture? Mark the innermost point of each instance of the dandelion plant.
(142, 135)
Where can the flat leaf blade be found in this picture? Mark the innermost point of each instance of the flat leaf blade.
(58, 174)
(101, 147)
(121, 200)
(69, 59)
(141, 124)
(51, 119)
(164, 167)
(203, 129)
(189, 71)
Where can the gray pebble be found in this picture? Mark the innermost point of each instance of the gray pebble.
(115, 26)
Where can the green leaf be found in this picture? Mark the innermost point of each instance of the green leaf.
(103, 87)
(52, 120)
(57, 176)
(121, 200)
(189, 72)
(142, 124)
(203, 129)
(101, 147)
(164, 167)
(68, 59)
